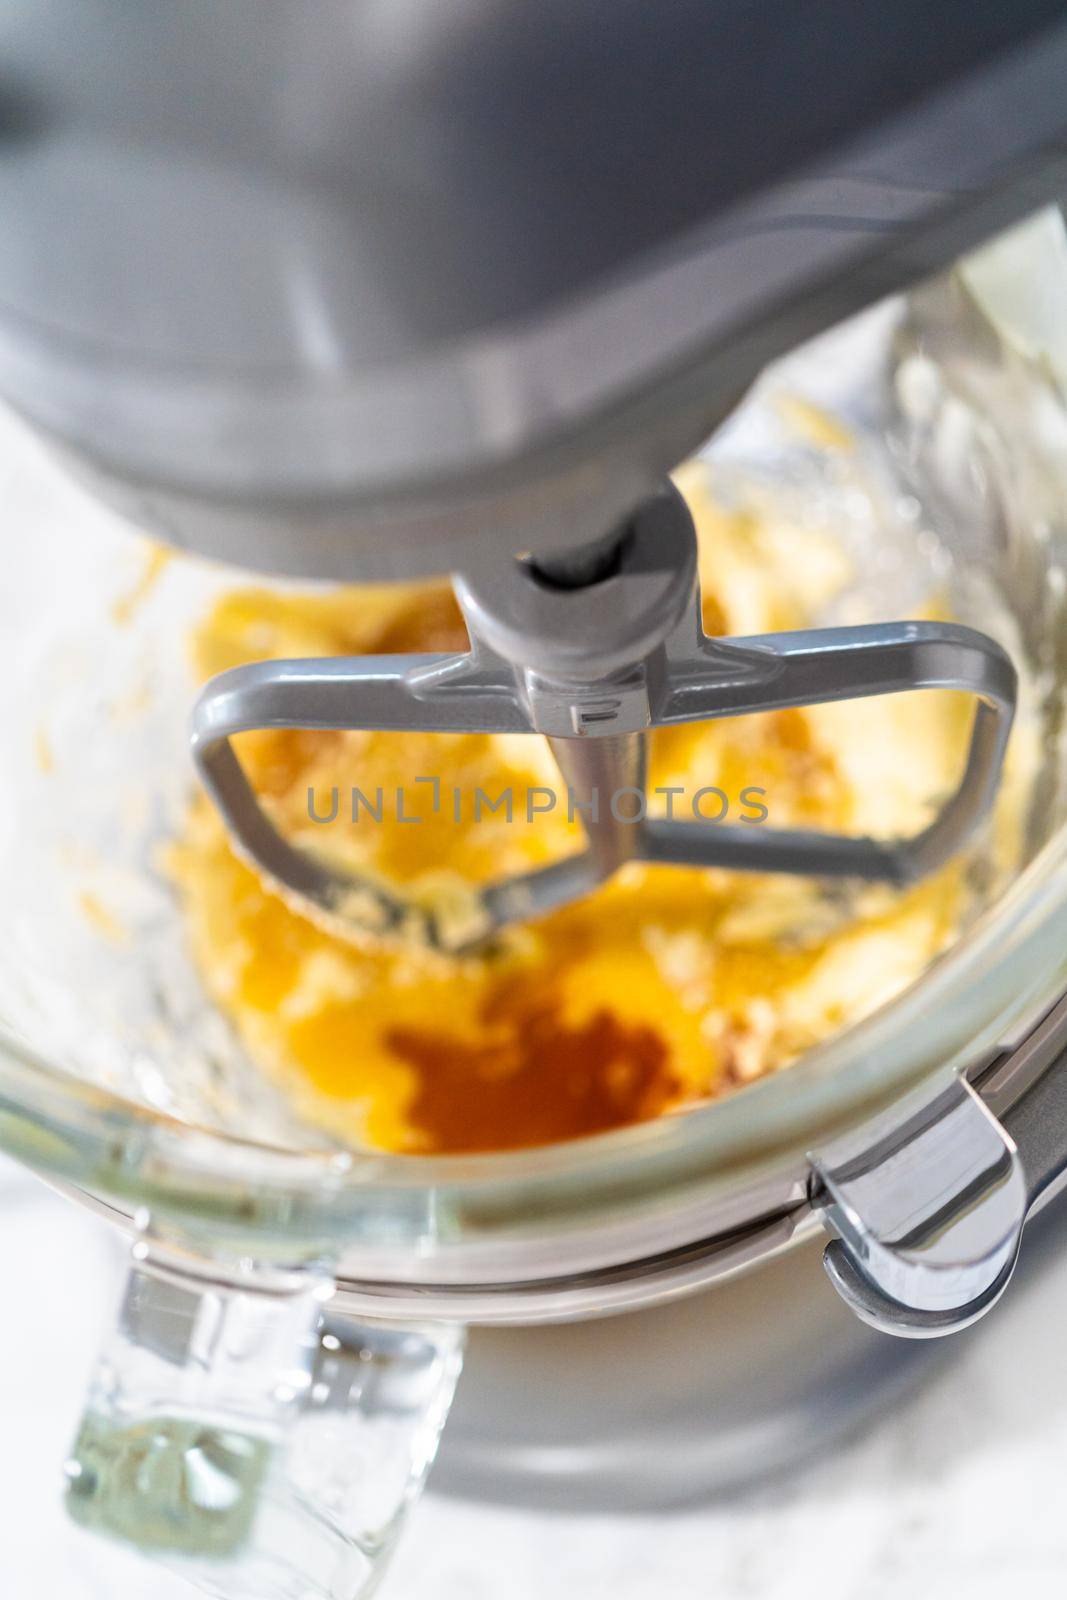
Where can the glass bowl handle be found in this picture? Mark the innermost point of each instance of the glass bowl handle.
(235, 1436)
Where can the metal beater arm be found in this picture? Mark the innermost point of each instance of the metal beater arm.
(594, 668)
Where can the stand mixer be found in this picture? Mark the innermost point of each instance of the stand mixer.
(351, 292)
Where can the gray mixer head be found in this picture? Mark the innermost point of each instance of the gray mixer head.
(368, 288)
(364, 288)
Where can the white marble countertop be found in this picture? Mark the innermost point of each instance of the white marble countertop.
(959, 1493)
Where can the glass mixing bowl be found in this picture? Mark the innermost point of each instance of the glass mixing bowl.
(120, 1083)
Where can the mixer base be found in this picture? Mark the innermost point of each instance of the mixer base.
(675, 1404)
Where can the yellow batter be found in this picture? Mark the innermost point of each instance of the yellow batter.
(666, 987)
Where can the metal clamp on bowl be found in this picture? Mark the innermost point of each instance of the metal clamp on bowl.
(928, 1214)
(928, 1218)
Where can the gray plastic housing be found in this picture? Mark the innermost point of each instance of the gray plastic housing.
(336, 289)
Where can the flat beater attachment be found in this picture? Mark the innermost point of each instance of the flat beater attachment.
(592, 652)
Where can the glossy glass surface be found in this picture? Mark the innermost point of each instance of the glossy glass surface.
(117, 1078)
